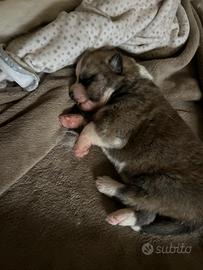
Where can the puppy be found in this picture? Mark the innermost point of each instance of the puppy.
(159, 159)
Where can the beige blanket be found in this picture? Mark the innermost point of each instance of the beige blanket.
(20, 16)
(51, 215)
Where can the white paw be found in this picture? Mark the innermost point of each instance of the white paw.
(136, 228)
(108, 186)
(122, 217)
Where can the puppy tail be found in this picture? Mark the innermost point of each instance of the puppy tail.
(168, 228)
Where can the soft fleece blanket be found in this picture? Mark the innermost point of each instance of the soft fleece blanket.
(51, 215)
(135, 26)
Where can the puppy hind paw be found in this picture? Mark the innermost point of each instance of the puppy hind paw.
(136, 228)
(122, 217)
(108, 186)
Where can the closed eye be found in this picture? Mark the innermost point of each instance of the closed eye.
(86, 81)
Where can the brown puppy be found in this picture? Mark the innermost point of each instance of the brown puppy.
(158, 157)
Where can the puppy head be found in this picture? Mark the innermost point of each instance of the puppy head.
(99, 74)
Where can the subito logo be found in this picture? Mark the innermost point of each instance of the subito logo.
(147, 249)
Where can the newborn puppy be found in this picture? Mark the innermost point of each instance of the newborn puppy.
(159, 159)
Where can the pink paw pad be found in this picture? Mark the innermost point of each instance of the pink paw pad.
(71, 120)
(122, 217)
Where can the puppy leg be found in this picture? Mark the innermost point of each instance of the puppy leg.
(89, 136)
(108, 186)
(84, 141)
(72, 121)
(127, 216)
(153, 200)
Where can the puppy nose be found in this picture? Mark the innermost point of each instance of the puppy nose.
(77, 93)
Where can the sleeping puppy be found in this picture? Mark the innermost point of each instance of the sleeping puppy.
(159, 159)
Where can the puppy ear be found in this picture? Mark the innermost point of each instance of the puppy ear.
(116, 63)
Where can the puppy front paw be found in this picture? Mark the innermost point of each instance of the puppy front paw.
(72, 121)
(81, 152)
(82, 146)
(85, 141)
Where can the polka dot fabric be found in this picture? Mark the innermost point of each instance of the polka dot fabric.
(133, 25)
